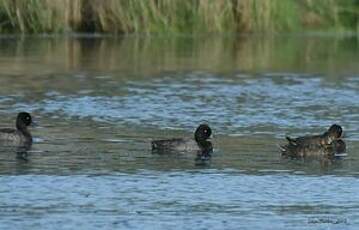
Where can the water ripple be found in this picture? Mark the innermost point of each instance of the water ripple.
(126, 200)
(259, 103)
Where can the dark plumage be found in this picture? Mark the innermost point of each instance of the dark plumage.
(199, 142)
(21, 135)
(334, 133)
(335, 148)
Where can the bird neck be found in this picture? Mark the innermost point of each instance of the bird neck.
(204, 145)
(24, 131)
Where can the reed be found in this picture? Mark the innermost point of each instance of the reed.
(177, 16)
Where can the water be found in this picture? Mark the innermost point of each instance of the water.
(99, 101)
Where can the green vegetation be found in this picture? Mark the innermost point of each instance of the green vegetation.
(177, 16)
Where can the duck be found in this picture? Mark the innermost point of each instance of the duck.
(200, 142)
(336, 148)
(21, 135)
(334, 132)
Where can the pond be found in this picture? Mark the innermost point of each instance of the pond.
(100, 100)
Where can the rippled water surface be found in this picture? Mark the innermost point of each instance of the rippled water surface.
(99, 101)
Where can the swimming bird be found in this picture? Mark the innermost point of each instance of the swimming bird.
(19, 136)
(198, 143)
(336, 148)
(333, 133)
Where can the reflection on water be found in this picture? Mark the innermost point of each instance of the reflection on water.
(100, 101)
(146, 56)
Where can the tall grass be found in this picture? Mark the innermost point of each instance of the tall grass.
(177, 16)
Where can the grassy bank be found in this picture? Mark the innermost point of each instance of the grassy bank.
(177, 16)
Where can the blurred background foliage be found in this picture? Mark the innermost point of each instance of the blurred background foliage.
(178, 16)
